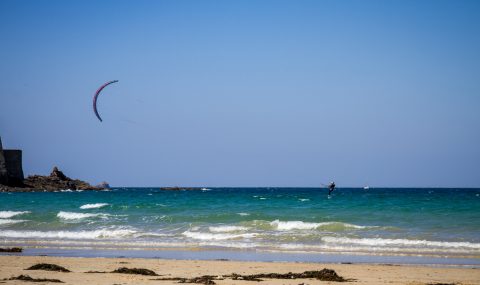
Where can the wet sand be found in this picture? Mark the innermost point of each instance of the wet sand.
(358, 273)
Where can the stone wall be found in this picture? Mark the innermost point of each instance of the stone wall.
(11, 171)
(13, 161)
(3, 166)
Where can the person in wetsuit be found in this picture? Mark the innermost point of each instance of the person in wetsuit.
(331, 187)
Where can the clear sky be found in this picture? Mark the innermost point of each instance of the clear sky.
(244, 93)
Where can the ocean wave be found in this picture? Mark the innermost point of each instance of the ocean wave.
(94, 206)
(300, 225)
(243, 214)
(210, 236)
(9, 214)
(78, 216)
(223, 229)
(102, 233)
(10, 221)
(399, 242)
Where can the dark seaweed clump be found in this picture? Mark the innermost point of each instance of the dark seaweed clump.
(140, 271)
(30, 279)
(48, 267)
(13, 249)
(205, 279)
(323, 275)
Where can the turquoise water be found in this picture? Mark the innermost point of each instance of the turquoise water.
(412, 222)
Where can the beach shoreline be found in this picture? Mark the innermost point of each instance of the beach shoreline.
(209, 254)
(15, 265)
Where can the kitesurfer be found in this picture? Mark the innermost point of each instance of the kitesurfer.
(331, 187)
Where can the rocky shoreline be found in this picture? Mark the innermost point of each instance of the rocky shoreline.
(56, 181)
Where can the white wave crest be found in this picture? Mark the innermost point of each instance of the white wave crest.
(300, 225)
(244, 214)
(78, 216)
(400, 242)
(224, 229)
(102, 233)
(9, 214)
(10, 221)
(210, 236)
(94, 206)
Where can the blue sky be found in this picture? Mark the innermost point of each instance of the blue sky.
(244, 93)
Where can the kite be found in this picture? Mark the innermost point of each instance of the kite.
(96, 96)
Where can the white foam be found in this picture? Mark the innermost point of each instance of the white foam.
(94, 206)
(304, 200)
(10, 221)
(291, 225)
(244, 214)
(210, 236)
(224, 229)
(77, 216)
(9, 214)
(103, 233)
(300, 225)
(399, 242)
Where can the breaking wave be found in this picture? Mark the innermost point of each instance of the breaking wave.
(102, 233)
(9, 214)
(299, 225)
(399, 242)
(10, 221)
(94, 206)
(78, 216)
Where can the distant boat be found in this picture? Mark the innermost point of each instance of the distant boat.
(366, 188)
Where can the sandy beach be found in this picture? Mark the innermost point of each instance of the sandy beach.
(11, 266)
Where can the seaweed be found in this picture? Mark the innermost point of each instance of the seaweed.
(140, 271)
(205, 279)
(48, 267)
(12, 249)
(323, 275)
(30, 279)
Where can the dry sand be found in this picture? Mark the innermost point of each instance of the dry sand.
(362, 273)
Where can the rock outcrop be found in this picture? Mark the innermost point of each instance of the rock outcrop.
(57, 180)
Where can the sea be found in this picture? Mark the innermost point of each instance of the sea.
(397, 225)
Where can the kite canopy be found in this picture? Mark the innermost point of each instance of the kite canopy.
(96, 96)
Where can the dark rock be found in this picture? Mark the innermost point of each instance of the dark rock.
(103, 185)
(140, 271)
(48, 267)
(57, 180)
(30, 279)
(13, 249)
(57, 174)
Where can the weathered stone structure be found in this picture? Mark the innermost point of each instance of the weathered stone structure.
(11, 171)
